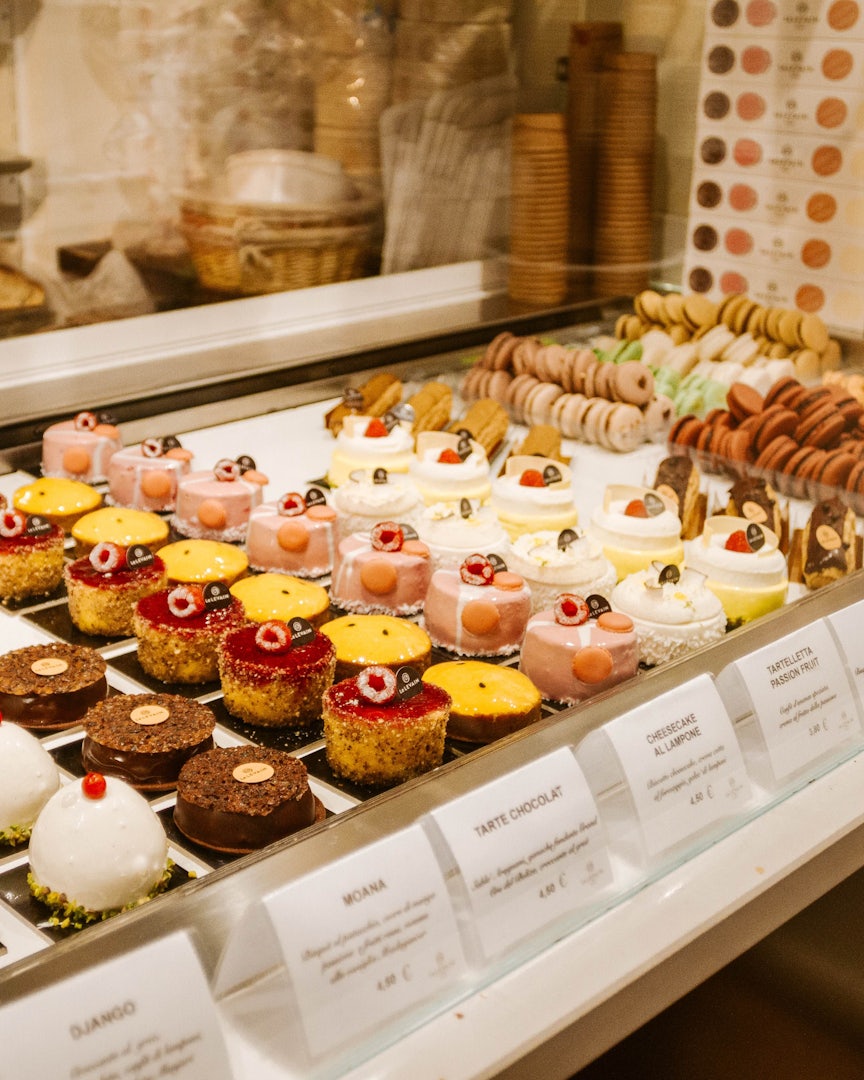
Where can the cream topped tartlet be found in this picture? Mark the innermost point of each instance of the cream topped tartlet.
(556, 562)
(449, 467)
(369, 442)
(534, 493)
(453, 531)
(635, 527)
(371, 495)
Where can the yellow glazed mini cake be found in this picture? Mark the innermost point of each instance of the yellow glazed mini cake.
(635, 527)
(488, 700)
(534, 493)
(366, 443)
(203, 560)
(115, 525)
(62, 502)
(280, 596)
(365, 640)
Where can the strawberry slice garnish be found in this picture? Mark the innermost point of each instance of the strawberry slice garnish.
(532, 478)
(376, 429)
(12, 523)
(477, 570)
(571, 610)
(273, 636)
(737, 541)
(636, 508)
(106, 557)
(449, 457)
(85, 421)
(377, 684)
(184, 601)
(291, 504)
(387, 536)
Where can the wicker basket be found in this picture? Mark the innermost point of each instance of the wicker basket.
(247, 249)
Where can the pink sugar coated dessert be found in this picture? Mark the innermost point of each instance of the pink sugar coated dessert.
(385, 572)
(294, 535)
(81, 448)
(146, 477)
(216, 504)
(477, 610)
(571, 655)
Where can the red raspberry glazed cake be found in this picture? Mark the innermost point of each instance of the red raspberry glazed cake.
(216, 504)
(104, 587)
(145, 739)
(145, 477)
(179, 631)
(31, 555)
(81, 448)
(383, 572)
(274, 673)
(477, 610)
(50, 686)
(382, 727)
(240, 798)
(570, 655)
(295, 535)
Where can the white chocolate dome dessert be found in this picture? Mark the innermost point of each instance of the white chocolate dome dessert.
(28, 779)
(672, 610)
(556, 562)
(97, 847)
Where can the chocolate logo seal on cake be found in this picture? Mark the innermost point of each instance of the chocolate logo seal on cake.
(597, 605)
(352, 398)
(755, 537)
(567, 537)
(315, 497)
(49, 666)
(149, 715)
(139, 556)
(302, 631)
(36, 525)
(498, 564)
(253, 772)
(379, 476)
(408, 682)
(653, 504)
(216, 595)
(551, 475)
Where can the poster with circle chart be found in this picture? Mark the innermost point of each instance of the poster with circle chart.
(777, 198)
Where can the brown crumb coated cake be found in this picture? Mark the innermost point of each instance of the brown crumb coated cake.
(678, 477)
(383, 742)
(145, 739)
(240, 798)
(182, 648)
(362, 640)
(275, 676)
(103, 601)
(31, 558)
(829, 544)
(50, 686)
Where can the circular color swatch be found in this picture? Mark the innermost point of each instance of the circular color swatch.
(837, 64)
(821, 207)
(831, 112)
(809, 298)
(750, 106)
(826, 160)
(724, 13)
(815, 253)
(715, 105)
(713, 150)
(747, 152)
(704, 238)
(709, 194)
(755, 60)
(761, 12)
(733, 283)
(843, 14)
(738, 242)
(721, 59)
(742, 197)
(700, 279)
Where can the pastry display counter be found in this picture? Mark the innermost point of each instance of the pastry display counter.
(569, 990)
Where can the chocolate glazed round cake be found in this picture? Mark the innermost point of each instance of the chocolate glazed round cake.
(50, 686)
(240, 798)
(145, 739)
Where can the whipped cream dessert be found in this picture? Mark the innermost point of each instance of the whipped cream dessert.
(450, 467)
(365, 443)
(28, 779)
(636, 526)
(555, 562)
(453, 531)
(534, 493)
(673, 611)
(742, 564)
(368, 496)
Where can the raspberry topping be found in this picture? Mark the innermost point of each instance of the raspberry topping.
(106, 557)
(387, 536)
(477, 570)
(273, 636)
(532, 478)
(291, 504)
(12, 523)
(570, 610)
(225, 469)
(636, 508)
(93, 785)
(737, 541)
(449, 457)
(152, 448)
(377, 684)
(85, 421)
(185, 601)
(376, 429)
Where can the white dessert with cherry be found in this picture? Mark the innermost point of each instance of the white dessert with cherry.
(635, 527)
(534, 493)
(450, 467)
(28, 779)
(367, 442)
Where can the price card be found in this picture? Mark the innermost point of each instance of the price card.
(846, 625)
(801, 697)
(147, 1014)
(682, 763)
(367, 937)
(529, 846)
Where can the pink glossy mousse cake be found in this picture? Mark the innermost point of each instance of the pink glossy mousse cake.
(477, 610)
(295, 535)
(570, 655)
(382, 572)
(146, 477)
(215, 504)
(81, 448)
